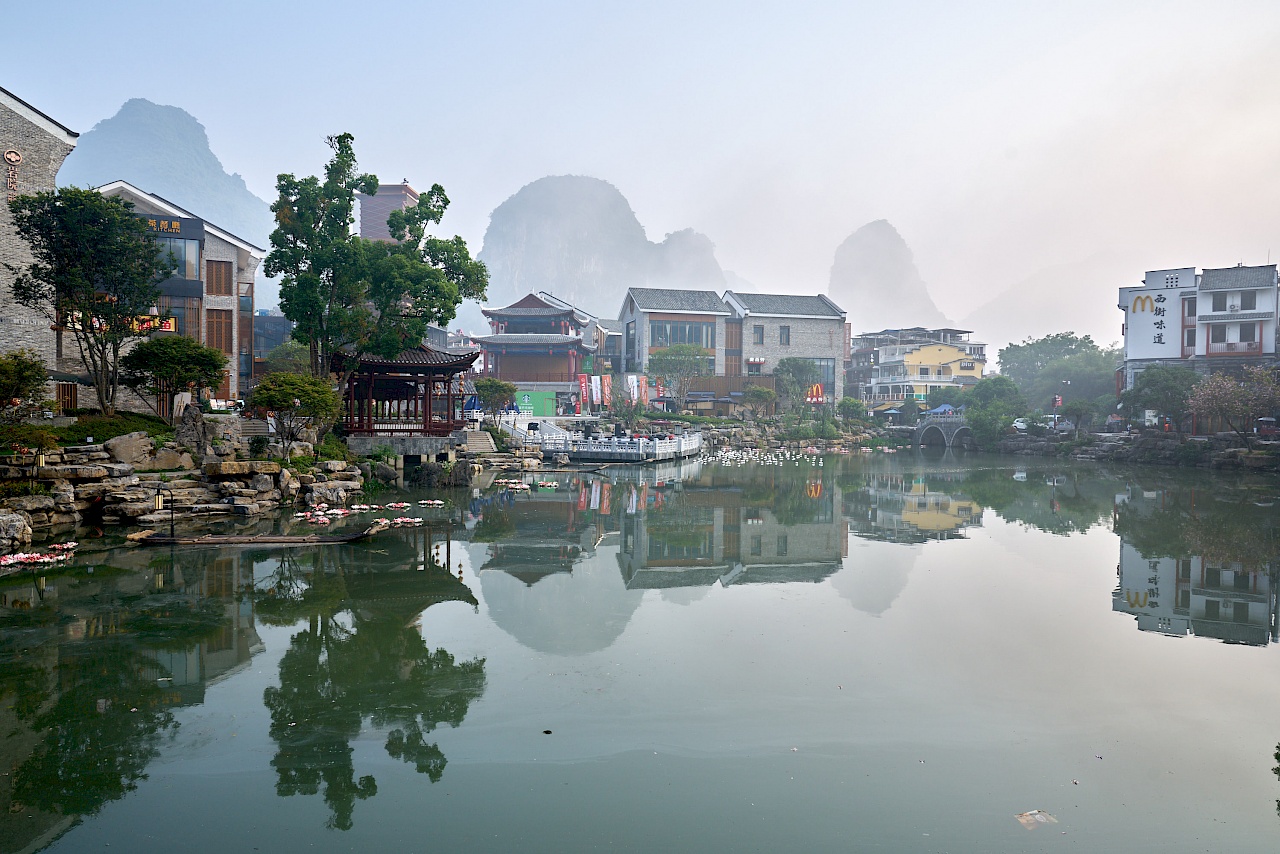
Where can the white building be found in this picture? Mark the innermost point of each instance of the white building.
(1218, 319)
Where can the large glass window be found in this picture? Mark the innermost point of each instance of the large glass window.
(666, 333)
(185, 311)
(1189, 306)
(757, 335)
(186, 256)
(1218, 333)
(784, 336)
(1248, 300)
(1219, 302)
(1247, 331)
(827, 374)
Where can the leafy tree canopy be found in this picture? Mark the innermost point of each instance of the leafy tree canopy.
(95, 274)
(297, 402)
(991, 406)
(290, 357)
(23, 375)
(759, 399)
(793, 377)
(495, 394)
(1166, 389)
(350, 295)
(1237, 401)
(677, 365)
(850, 408)
(163, 367)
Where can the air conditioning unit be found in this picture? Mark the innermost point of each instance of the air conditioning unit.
(1233, 308)
(1231, 347)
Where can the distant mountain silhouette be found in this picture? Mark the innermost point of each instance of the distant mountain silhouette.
(874, 279)
(577, 237)
(165, 151)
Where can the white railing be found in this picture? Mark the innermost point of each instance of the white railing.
(649, 449)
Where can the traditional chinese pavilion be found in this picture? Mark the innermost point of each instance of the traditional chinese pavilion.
(418, 393)
(538, 339)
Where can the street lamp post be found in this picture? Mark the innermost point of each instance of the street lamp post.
(159, 505)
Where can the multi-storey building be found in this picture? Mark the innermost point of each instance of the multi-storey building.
(210, 295)
(894, 365)
(33, 147)
(1217, 320)
(653, 319)
(772, 327)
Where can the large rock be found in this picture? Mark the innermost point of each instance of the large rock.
(226, 469)
(192, 432)
(167, 459)
(130, 448)
(72, 472)
(385, 473)
(14, 529)
(29, 503)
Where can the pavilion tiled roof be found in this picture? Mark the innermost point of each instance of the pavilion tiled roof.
(426, 356)
(541, 340)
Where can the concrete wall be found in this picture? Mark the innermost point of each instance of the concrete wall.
(811, 338)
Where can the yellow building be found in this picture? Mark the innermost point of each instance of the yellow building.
(920, 369)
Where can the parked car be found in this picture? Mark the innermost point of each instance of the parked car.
(1020, 424)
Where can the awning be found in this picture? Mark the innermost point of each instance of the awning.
(64, 377)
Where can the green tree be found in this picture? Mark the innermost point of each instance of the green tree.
(990, 408)
(794, 376)
(626, 411)
(943, 394)
(1163, 388)
(851, 409)
(495, 394)
(350, 296)
(298, 402)
(23, 375)
(759, 399)
(95, 274)
(163, 367)
(677, 365)
(1237, 401)
(1080, 412)
(1024, 363)
(291, 357)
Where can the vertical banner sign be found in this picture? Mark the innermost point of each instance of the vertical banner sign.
(605, 503)
(662, 389)
(582, 393)
(582, 497)
(633, 388)
(595, 495)
(595, 390)
(644, 390)
(606, 389)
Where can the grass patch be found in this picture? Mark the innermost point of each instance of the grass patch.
(102, 428)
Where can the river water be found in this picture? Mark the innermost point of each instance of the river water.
(855, 653)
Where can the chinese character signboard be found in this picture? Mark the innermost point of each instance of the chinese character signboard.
(1152, 314)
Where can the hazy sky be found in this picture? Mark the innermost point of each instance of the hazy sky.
(999, 138)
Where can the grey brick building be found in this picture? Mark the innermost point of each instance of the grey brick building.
(656, 318)
(210, 296)
(33, 147)
(782, 326)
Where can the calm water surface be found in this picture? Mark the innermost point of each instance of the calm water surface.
(852, 654)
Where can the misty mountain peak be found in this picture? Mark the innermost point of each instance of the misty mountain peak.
(874, 278)
(578, 238)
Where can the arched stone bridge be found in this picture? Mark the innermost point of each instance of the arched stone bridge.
(941, 430)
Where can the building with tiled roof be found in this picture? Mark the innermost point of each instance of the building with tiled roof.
(656, 318)
(773, 327)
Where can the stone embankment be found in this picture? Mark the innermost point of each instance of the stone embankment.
(116, 482)
(1222, 451)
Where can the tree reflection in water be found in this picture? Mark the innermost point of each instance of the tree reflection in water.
(361, 656)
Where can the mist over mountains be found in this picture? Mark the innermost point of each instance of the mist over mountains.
(577, 237)
(874, 278)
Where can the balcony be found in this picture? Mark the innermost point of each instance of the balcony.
(1236, 348)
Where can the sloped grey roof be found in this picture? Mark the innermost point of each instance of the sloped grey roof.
(517, 338)
(661, 299)
(788, 304)
(528, 312)
(1235, 278)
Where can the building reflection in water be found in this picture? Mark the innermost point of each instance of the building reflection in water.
(910, 507)
(1225, 590)
(93, 661)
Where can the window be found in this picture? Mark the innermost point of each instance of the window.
(1240, 612)
(665, 333)
(1211, 609)
(1213, 578)
(1184, 599)
(757, 546)
(1219, 302)
(784, 336)
(924, 372)
(186, 256)
(1189, 307)
(220, 279)
(1247, 331)
(631, 340)
(1218, 333)
(782, 545)
(185, 311)
(1191, 338)
(1241, 581)
(753, 369)
(757, 335)
(219, 337)
(1248, 300)
(1184, 569)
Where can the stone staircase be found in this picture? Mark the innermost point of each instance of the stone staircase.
(480, 442)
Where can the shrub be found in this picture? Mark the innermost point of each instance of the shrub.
(333, 448)
(27, 436)
(827, 431)
(102, 428)
(16, 488)
(258, 447)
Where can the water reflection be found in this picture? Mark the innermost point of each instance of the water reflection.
(93, 661)
(1200, 562)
